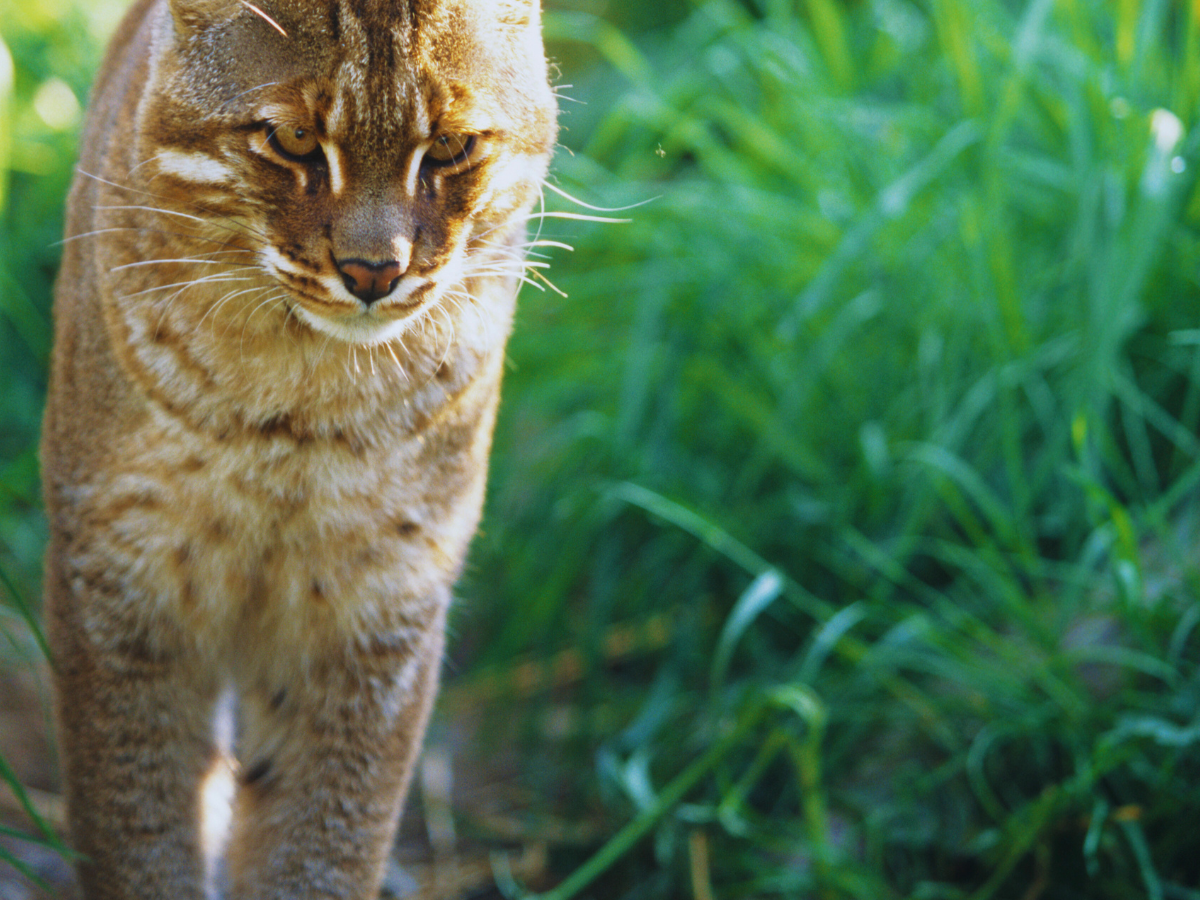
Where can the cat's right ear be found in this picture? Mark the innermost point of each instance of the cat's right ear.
(197, 15)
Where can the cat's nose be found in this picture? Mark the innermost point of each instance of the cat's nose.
(369, 281)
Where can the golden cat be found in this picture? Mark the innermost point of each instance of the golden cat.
(293, 248)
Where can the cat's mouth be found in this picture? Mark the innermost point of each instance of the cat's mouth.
(356, 322)
(369, 308)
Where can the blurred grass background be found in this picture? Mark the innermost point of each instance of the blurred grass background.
(841, 535)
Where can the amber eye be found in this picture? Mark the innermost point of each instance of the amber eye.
(298, 144)
(450, 150)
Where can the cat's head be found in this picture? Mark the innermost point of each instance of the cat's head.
(371, 153)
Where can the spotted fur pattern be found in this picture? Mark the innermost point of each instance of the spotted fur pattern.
(292, 253)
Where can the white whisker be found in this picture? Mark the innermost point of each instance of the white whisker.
(266, 303)
(225, 299)
(579, 202)
(216, 219)
(212, 279)
(155, 262)
(392, 353)
(576, 217)
(550, 284)
(222, 223)
(545, 243)
(155, 209)
(232, 248)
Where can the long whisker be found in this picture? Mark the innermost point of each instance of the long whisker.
(225, 299)
(266, 303)
(233, 248)
(506, 266)
(544, 243)
(241, 231)
(144, 162)
(176, 234)
(512, 270)
(222, 223)
(164, 306)
(557, 90)
(577, 217)
(537, 235)
(524, 248)
(155, 262)
(215, 219)
(387, 345)
(579, 202)
(155, 209)
(215, 278)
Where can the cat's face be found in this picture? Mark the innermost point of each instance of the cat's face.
(369, 154)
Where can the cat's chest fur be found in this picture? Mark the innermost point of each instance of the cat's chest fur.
(304, 500)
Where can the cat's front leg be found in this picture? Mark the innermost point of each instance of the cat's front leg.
(135, 727)
(326, 760)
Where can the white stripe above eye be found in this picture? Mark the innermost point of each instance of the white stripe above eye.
(414, 170)
(337, 177)
(193, 166)
(421, 120)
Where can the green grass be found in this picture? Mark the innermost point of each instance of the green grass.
(48, 52)
(888, 399)
(884, 407)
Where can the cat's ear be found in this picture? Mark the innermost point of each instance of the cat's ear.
(195, 15)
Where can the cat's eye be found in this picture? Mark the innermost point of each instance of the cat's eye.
(297, 144)
(450, 150)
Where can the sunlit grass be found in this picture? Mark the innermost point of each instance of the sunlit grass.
(48, 51)
(888, 398)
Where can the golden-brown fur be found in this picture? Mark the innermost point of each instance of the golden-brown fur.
(257, 479)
